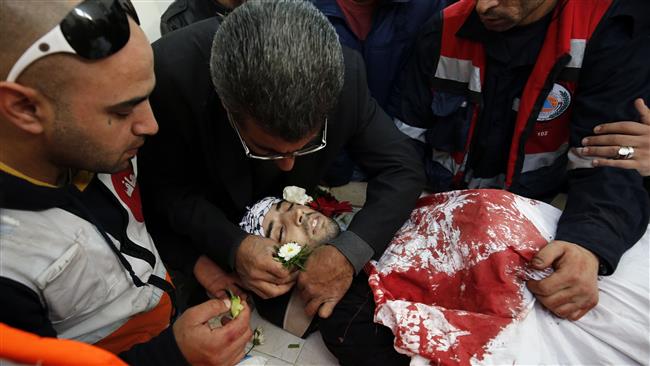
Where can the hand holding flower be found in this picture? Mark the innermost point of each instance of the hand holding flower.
(292, 255)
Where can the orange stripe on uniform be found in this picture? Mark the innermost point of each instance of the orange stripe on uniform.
(140, 328)
(26, 348)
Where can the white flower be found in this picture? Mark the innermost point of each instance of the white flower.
(258, 336)
(296, 195)
(289, 250)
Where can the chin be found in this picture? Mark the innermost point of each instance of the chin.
(119, 167)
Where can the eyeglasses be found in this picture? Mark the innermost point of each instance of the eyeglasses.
(304, 151)
(94, 29)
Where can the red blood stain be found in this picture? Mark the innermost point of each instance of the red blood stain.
(484, 294)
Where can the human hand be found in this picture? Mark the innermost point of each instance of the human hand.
(572, 290)
(327, 277)
(612, 136)
(258, 271)
(215, 280)
(219, 346)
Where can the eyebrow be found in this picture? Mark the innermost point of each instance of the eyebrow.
(133, 101)
(129, 103)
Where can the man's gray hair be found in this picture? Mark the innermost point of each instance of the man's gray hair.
(280, 63)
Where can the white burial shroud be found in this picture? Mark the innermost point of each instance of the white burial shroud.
(451, 287)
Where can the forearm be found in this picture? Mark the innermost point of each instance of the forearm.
(607, 212)
(391, 195)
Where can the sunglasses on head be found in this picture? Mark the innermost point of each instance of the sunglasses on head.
(94, 29)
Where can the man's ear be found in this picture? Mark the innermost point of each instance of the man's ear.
(23, 107)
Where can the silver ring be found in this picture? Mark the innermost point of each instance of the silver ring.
(625, 152)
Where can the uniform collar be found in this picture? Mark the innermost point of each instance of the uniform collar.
(498, 44)
(81, 179)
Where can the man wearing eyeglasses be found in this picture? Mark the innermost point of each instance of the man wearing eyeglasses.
(264, 99)
(76, 260)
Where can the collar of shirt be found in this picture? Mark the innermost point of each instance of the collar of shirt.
(498, 45)
(212, 7)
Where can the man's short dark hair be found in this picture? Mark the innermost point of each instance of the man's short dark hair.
(280, 63)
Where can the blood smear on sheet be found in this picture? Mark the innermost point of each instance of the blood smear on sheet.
(453, 277)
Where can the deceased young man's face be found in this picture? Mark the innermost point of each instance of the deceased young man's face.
(287, 222)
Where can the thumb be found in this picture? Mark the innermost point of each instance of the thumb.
(545, 257)
(201, 313)
(326, 309)
(643, 110)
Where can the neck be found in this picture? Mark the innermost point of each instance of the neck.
(22, 157)
(541, 11)
(228, 4)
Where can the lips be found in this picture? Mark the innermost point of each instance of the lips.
(495, 24)
(134, 150)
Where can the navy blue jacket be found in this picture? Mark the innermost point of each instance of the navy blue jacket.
(395, 26)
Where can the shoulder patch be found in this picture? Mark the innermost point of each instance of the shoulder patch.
(556, 103)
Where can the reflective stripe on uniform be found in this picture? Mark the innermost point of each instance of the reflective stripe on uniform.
(577, 161)
(577, 53)
(415, 133)
(459, 70)
(540, 160)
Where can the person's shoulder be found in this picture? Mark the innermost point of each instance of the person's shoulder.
(354, 66)
(183, 55)
(197, 36)
(174, 9)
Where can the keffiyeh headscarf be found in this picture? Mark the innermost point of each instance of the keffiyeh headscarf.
(252, 220)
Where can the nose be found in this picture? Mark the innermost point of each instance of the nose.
(298, 215)
(145, 124)
(285, 164)
(484, 6)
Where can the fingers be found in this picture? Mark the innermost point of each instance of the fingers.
(312, 306)
(280, 274)
(545, 257)
(326, 309)
(615, 139)
(548, 286)
(608, 152)
(625, 164)
(238, 327)
(236, 344)
(643, 110)
(201, 313)
(267, 290)
(240, 356)
(576, 315)
(570, 303)
(621, 128)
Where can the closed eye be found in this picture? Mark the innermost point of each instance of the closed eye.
(122, 115)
